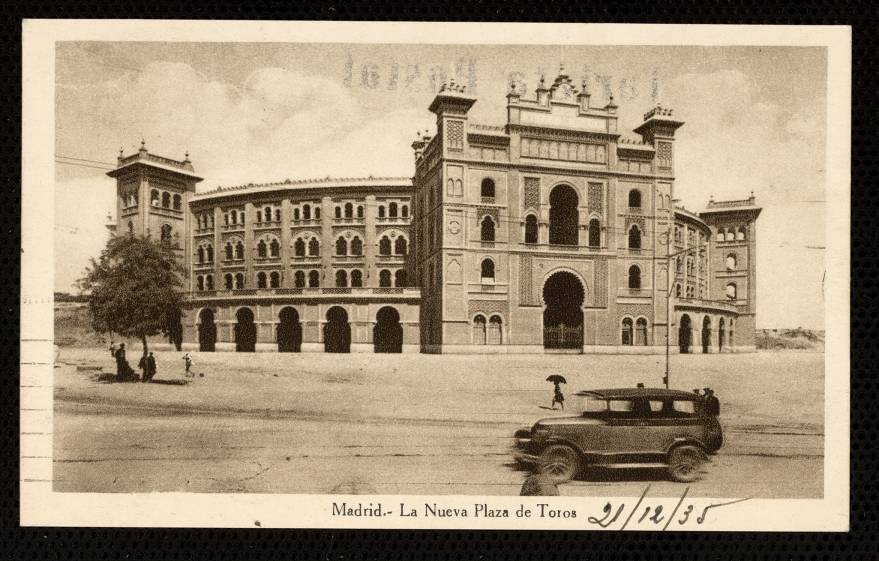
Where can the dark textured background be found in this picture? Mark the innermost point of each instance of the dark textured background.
(88, 544)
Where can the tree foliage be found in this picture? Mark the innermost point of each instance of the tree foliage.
(134, 288)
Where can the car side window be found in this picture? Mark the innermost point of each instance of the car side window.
(656, 405)
(621, 405)
(684, 406)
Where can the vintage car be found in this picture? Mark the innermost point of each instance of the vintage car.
(623, 428)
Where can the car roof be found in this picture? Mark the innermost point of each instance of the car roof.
(613, 393)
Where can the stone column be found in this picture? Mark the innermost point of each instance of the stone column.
(218, 248)
(328, 244)
(369, 242)
(286, 215)
(249, 216)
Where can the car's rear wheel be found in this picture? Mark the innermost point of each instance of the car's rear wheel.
(559, 462)
(685, 463)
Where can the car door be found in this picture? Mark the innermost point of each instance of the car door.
(627, 432)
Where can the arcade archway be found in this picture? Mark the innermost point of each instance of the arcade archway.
(563, 296)
(207, 331)
(387, 335)
(289, 332)
(706, 334)
(563, 227)
(684, 334)
(245, 331)
(337, 331)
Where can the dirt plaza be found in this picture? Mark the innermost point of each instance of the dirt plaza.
(393, 424)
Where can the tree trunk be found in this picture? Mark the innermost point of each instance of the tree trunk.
(143, 339)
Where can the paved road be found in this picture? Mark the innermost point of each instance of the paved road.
(106, 448)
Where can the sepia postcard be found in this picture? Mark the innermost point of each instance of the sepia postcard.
(435, 275)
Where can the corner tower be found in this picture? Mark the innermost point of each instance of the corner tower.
(152, 197)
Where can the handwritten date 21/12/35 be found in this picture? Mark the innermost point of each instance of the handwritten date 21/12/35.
(655, 515)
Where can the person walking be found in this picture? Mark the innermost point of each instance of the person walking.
(151, 367)
(187, 361)
(121, 363)
(558, 396)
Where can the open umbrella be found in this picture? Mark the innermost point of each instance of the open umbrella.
(556, 379)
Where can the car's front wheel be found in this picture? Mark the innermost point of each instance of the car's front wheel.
(559, 462)
(685, 463)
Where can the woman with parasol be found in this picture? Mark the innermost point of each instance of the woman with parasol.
(557, 395)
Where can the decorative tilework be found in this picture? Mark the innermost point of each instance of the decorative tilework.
(596, 198)
(532, 192)
(663, 158)
(526, 282)
(489, 211)
(487, 307)
(599, 283)
(455, 135)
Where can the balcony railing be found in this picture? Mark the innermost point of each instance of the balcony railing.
(725, 305)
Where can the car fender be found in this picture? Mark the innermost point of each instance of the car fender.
(560, 440)
(686, 441)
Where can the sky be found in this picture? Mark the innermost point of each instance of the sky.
(258, 112)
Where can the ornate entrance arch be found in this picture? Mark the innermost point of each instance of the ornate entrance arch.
(684, 334)
(563, 296)
(289, 333)
(387, 335)
(207, 331)
(245, 331)
(337, 331)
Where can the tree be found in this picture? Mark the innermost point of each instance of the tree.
(134, 288)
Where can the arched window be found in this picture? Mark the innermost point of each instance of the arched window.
(384, 246)
(166, 232)
(730, 234)
(405, 211)
(338, 212)
(295, 214)
(199, 282)
(634, 198)
(689, 265)
(227, 281)
(486, 270)
(494, 333)
(400, 245)
(239, 280)
(634, 237)
(678, 290)
(479, 330)
(154, 197)
(130, 227)
(200, 254)
(299, 248)
(274, 248)
(314, 247)
(233, 216)
(349, 210)
(209, 282)
(313, 279)
(239, 250)
(274, 279)
(486, 230)
(641, 332)
(384, 278)
(356, 278)
(530, 229)
(359, 211)
(277, 215)
(261, 249)
(317, 213)
(400, 278)
(356, 247)
(731, 261)
(563, 217)
(486, 190)
(260, 280)
(299, 279)
(341, 279)
(627, 334)
(381, 211)
(679, 265)
(732, 291)
(341, 246)
(720, 235)
(268, 214)
(177, 201)
(229, 251)
(740, 233)
(306, 212)
(392, 210)
(594, 233)
(634, 277)
(259, 216)
(209, 253)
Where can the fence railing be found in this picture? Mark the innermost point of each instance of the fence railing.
(563, 337)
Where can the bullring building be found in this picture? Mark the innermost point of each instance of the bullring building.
(551, 233)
